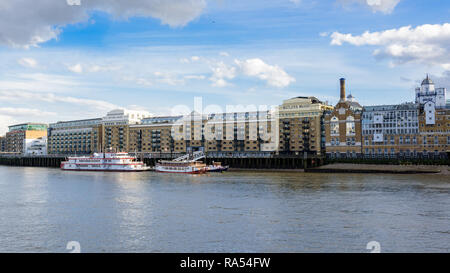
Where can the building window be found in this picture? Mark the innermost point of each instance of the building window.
(334, 126)
(407, 140)
(350, 126)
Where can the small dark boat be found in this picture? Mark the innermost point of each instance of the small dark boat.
(216, 167)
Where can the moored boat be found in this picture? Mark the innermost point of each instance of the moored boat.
(107, 162)
(217, 167)
(188, 167)
(188, 164)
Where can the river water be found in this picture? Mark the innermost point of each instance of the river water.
(42, 209)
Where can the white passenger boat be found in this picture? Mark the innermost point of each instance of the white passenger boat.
(112, 162)
(187, 164)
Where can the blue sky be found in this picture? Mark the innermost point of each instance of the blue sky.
(62, 62)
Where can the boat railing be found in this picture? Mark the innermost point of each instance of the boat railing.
(191, 157)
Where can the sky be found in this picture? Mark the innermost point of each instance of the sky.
(74, 59)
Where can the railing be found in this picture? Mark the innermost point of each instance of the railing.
(194, 157)
(9, 155)
(183, 156)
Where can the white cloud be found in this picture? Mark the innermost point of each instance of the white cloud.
(384, 6)
(24, 23)
(442, 80)
(192, 59)
(145, 82)
(184, 61)
(73, 2)
(224, 54)
(429, 44)
(14, 115)
(273, 75)
(28, 62)
(39, 82)
(93, 68)
(97, 104)
(6, 121)
(11, 111)
(221, 72)
(194, 77)
(20, 96)
(77, 68)
(168, 78)
(102, 68)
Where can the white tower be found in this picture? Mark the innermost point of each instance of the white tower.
(427, 92)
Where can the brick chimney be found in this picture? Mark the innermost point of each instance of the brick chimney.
(342, 89)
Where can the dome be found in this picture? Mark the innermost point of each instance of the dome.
(351, 98)
(427, 81)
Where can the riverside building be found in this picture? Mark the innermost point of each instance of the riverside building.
(301, 126)
(154, 134)
(19, 137)
(2, 144)
(434, 120)
(405, 131)
(343, 127)
(116, 125)
(391, 131)
(75, 137)
(88, 136)
(243, 132)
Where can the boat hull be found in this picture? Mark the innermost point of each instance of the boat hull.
(94, 170)
(104, 162)
(191, 172)
(217, 169)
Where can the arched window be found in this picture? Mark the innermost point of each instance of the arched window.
(350, 125)
(334, 126)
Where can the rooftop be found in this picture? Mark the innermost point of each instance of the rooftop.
(403, 106)
(427, 80)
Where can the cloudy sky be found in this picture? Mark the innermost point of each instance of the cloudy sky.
(70, 59)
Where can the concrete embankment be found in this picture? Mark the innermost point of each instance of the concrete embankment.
(374, 168)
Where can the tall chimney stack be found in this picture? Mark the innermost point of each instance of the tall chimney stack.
(342, 89)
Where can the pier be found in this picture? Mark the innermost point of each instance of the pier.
(234, 160)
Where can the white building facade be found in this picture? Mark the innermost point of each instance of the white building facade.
(124, 117)
(36, 146)
(430, 99)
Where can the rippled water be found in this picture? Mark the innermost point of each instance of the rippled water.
(42, 209)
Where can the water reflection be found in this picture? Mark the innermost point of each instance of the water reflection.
(235, 211)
